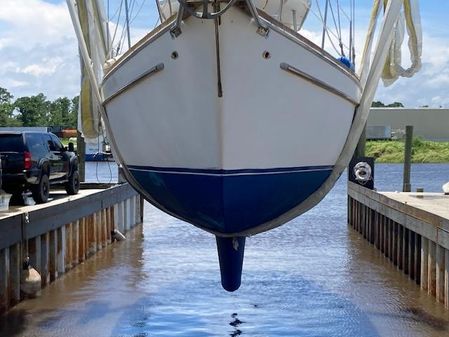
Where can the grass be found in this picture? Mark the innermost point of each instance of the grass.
(423, 151)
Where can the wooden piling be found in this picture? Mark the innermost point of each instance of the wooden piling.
(4, 279)
(68, 242)
(62, 247)
(407, 158)
(439, 277)
(411, 254)
(34, 252)
(424, 263)
(431, 262)
(53, 256)
(15, 265)
(401, 247)
(446, 278)
(414, 240)
(57, 241)
(45, 257)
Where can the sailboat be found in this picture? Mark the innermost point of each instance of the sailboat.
(226, 116)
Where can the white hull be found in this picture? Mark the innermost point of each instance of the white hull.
(290, 110)
(266, 118)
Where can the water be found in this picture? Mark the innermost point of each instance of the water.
(311, 277)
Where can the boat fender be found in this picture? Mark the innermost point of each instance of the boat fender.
(362, 172)
(117, 235)
(446, 188)
(30, 279)
(346, 62)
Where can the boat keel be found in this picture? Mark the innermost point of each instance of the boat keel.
(230, 256)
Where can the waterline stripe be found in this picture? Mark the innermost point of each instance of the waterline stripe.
(220, 172)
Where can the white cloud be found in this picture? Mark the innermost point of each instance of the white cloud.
(38, 49)
(49, 66)
(39, 53)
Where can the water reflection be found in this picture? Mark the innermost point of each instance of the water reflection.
(311, 277)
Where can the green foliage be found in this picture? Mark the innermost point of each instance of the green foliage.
(6, 109)
(37, 111)
(423, 151)
(33, 111)
(395, 105)
(379, 104)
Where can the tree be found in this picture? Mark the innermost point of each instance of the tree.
(59, 112)
(5, 96)
(34, 110)
(377, 104)
(38, 111)
(73, 114)
(395, 105)
(7, 109)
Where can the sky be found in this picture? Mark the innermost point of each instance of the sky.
(39, 53)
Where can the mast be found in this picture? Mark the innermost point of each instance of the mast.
(325, 24)
(127, 23)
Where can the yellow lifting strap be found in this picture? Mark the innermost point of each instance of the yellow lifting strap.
(409, 20)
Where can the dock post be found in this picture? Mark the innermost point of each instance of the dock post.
(401, 248)
(92, 228)
(411, 254)
(446, 278)
(395, 243)
(34, 251)
(4, 279)
(45, 255)
(406, 187)
(53, 255)
(76, 242)
(15, 264)
(61, 250)
(406, 252)
(417, 257)
(431, 275)
(439, 273)
(424, 263)
(99, 232)
(82, 241)
(66, 235)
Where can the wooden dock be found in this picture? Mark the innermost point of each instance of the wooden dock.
(62, 233)
(410, 229)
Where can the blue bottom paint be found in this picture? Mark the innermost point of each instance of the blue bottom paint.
(229, 201)
(100, 156)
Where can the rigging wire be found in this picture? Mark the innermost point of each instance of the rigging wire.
(116, 26)
(126, 26)
(338, 36)
(138, 11)
(325, 28)
(337, 28)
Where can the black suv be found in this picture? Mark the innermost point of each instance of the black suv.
(34, 160)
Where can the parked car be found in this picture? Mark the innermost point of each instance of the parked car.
(34, 161)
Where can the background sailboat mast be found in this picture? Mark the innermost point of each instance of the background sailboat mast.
(325, 24)
(127, 23)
